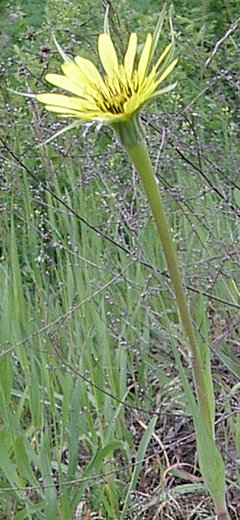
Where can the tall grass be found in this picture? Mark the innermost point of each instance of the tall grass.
(93, 414)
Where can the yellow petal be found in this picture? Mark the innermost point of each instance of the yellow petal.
(122, 77)
(144, 58)
(85, 115)
(65, 83)
(71, 103)
(108, 116)
(130, 54)
(167, 71)
(75, 74)
(132, 104)
(65, 111)
(108, 54)
(90, 71)
(149, 80)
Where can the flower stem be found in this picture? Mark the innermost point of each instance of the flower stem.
(138, 154)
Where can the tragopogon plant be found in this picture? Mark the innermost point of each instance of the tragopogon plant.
(116, 98)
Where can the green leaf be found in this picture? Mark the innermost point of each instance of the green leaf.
(157, 32)
(202, 323)
(50, 509)
(74, 430)
(139, 457)
(237, 434)
(164, 90)
(8, 469)
(94, 467)
(61, 51)
(236, 196)
(231, 363)
(106, 23)
(210, 459)
(60, 132)
(29, 510)
(23, 463)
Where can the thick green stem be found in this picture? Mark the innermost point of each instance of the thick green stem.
(138, 154)
(223, 516)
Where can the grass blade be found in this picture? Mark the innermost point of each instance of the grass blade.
(139, 457)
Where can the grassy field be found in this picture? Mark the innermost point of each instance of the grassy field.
(94, 423)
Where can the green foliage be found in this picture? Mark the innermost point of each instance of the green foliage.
(210, 459)
(87, 313)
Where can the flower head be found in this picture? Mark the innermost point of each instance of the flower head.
(117, 94)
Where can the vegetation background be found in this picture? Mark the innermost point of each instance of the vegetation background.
(93, 420)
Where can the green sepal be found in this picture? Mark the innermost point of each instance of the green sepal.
(130, 132)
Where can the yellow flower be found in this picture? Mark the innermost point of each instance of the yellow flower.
(120, 92)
